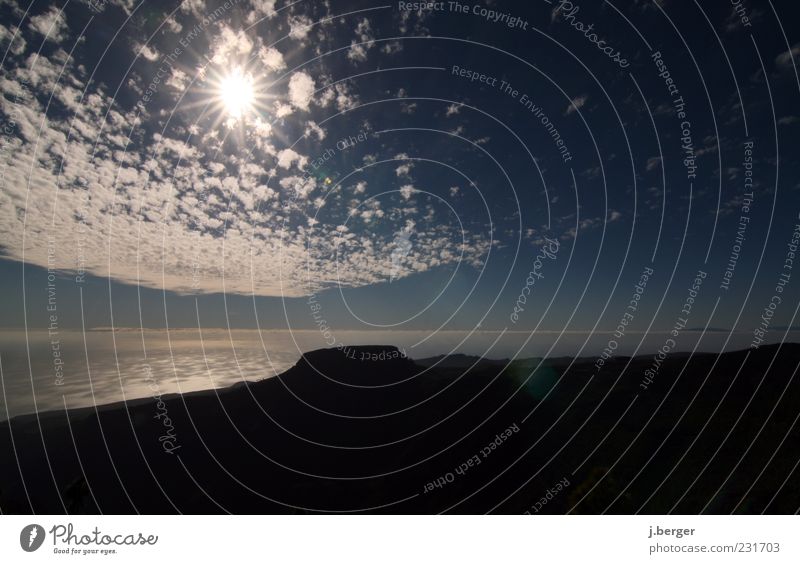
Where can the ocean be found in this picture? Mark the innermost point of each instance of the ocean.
(71, 369)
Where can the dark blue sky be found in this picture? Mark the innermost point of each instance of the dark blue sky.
(436, 210)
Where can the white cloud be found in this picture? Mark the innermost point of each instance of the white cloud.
(405, 168)
(345, 100)
(299, 26)
(271, 58)
(185, 213)
(19, 44)
(452, 110)
(194, 7)
(282, 110)
(287, 157)
(51, 24)
(260, 9)
(357, 53)
(300, 187)
(575, 105)
(178, 79)
(301, 89)
(406, 191)
(364, 42)
(392, 47)
(653, 163)
(173, 25)
(230, 46)
(312, 127)
(734, 22)
(784, 60)
(147, 51)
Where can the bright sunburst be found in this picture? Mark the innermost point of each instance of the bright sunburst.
(237, 93)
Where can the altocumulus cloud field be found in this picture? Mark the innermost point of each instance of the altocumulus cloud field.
(178, 193)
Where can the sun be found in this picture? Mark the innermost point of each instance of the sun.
(237, 93)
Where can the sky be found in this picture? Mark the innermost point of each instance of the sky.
(495, 165)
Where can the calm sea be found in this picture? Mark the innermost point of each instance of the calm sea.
(73, 369)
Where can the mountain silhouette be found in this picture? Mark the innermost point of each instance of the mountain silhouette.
(366, 429)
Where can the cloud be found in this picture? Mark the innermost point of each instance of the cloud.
(734, 21)
(342, 96)
(288, 157)
(313, 128)
(51, 24)
(299, 26)
(230, 46)
(301, 90)
(357, 53)
(406, 191)
(452, 110)
(653, 163)
(419, 16)
(184, 206)
(391, 47)
(300, 187)
(575, 105)
(591, 223)
(6, 35)
(364, 42)
(788, 120)
(173, 25)
(195, 7)
(260, 9)
(146, 51)
(178, 79)
(271, 58)
(281, 110)
(785, 61)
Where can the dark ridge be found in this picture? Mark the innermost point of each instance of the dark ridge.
(458, 361)
(340, 433)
